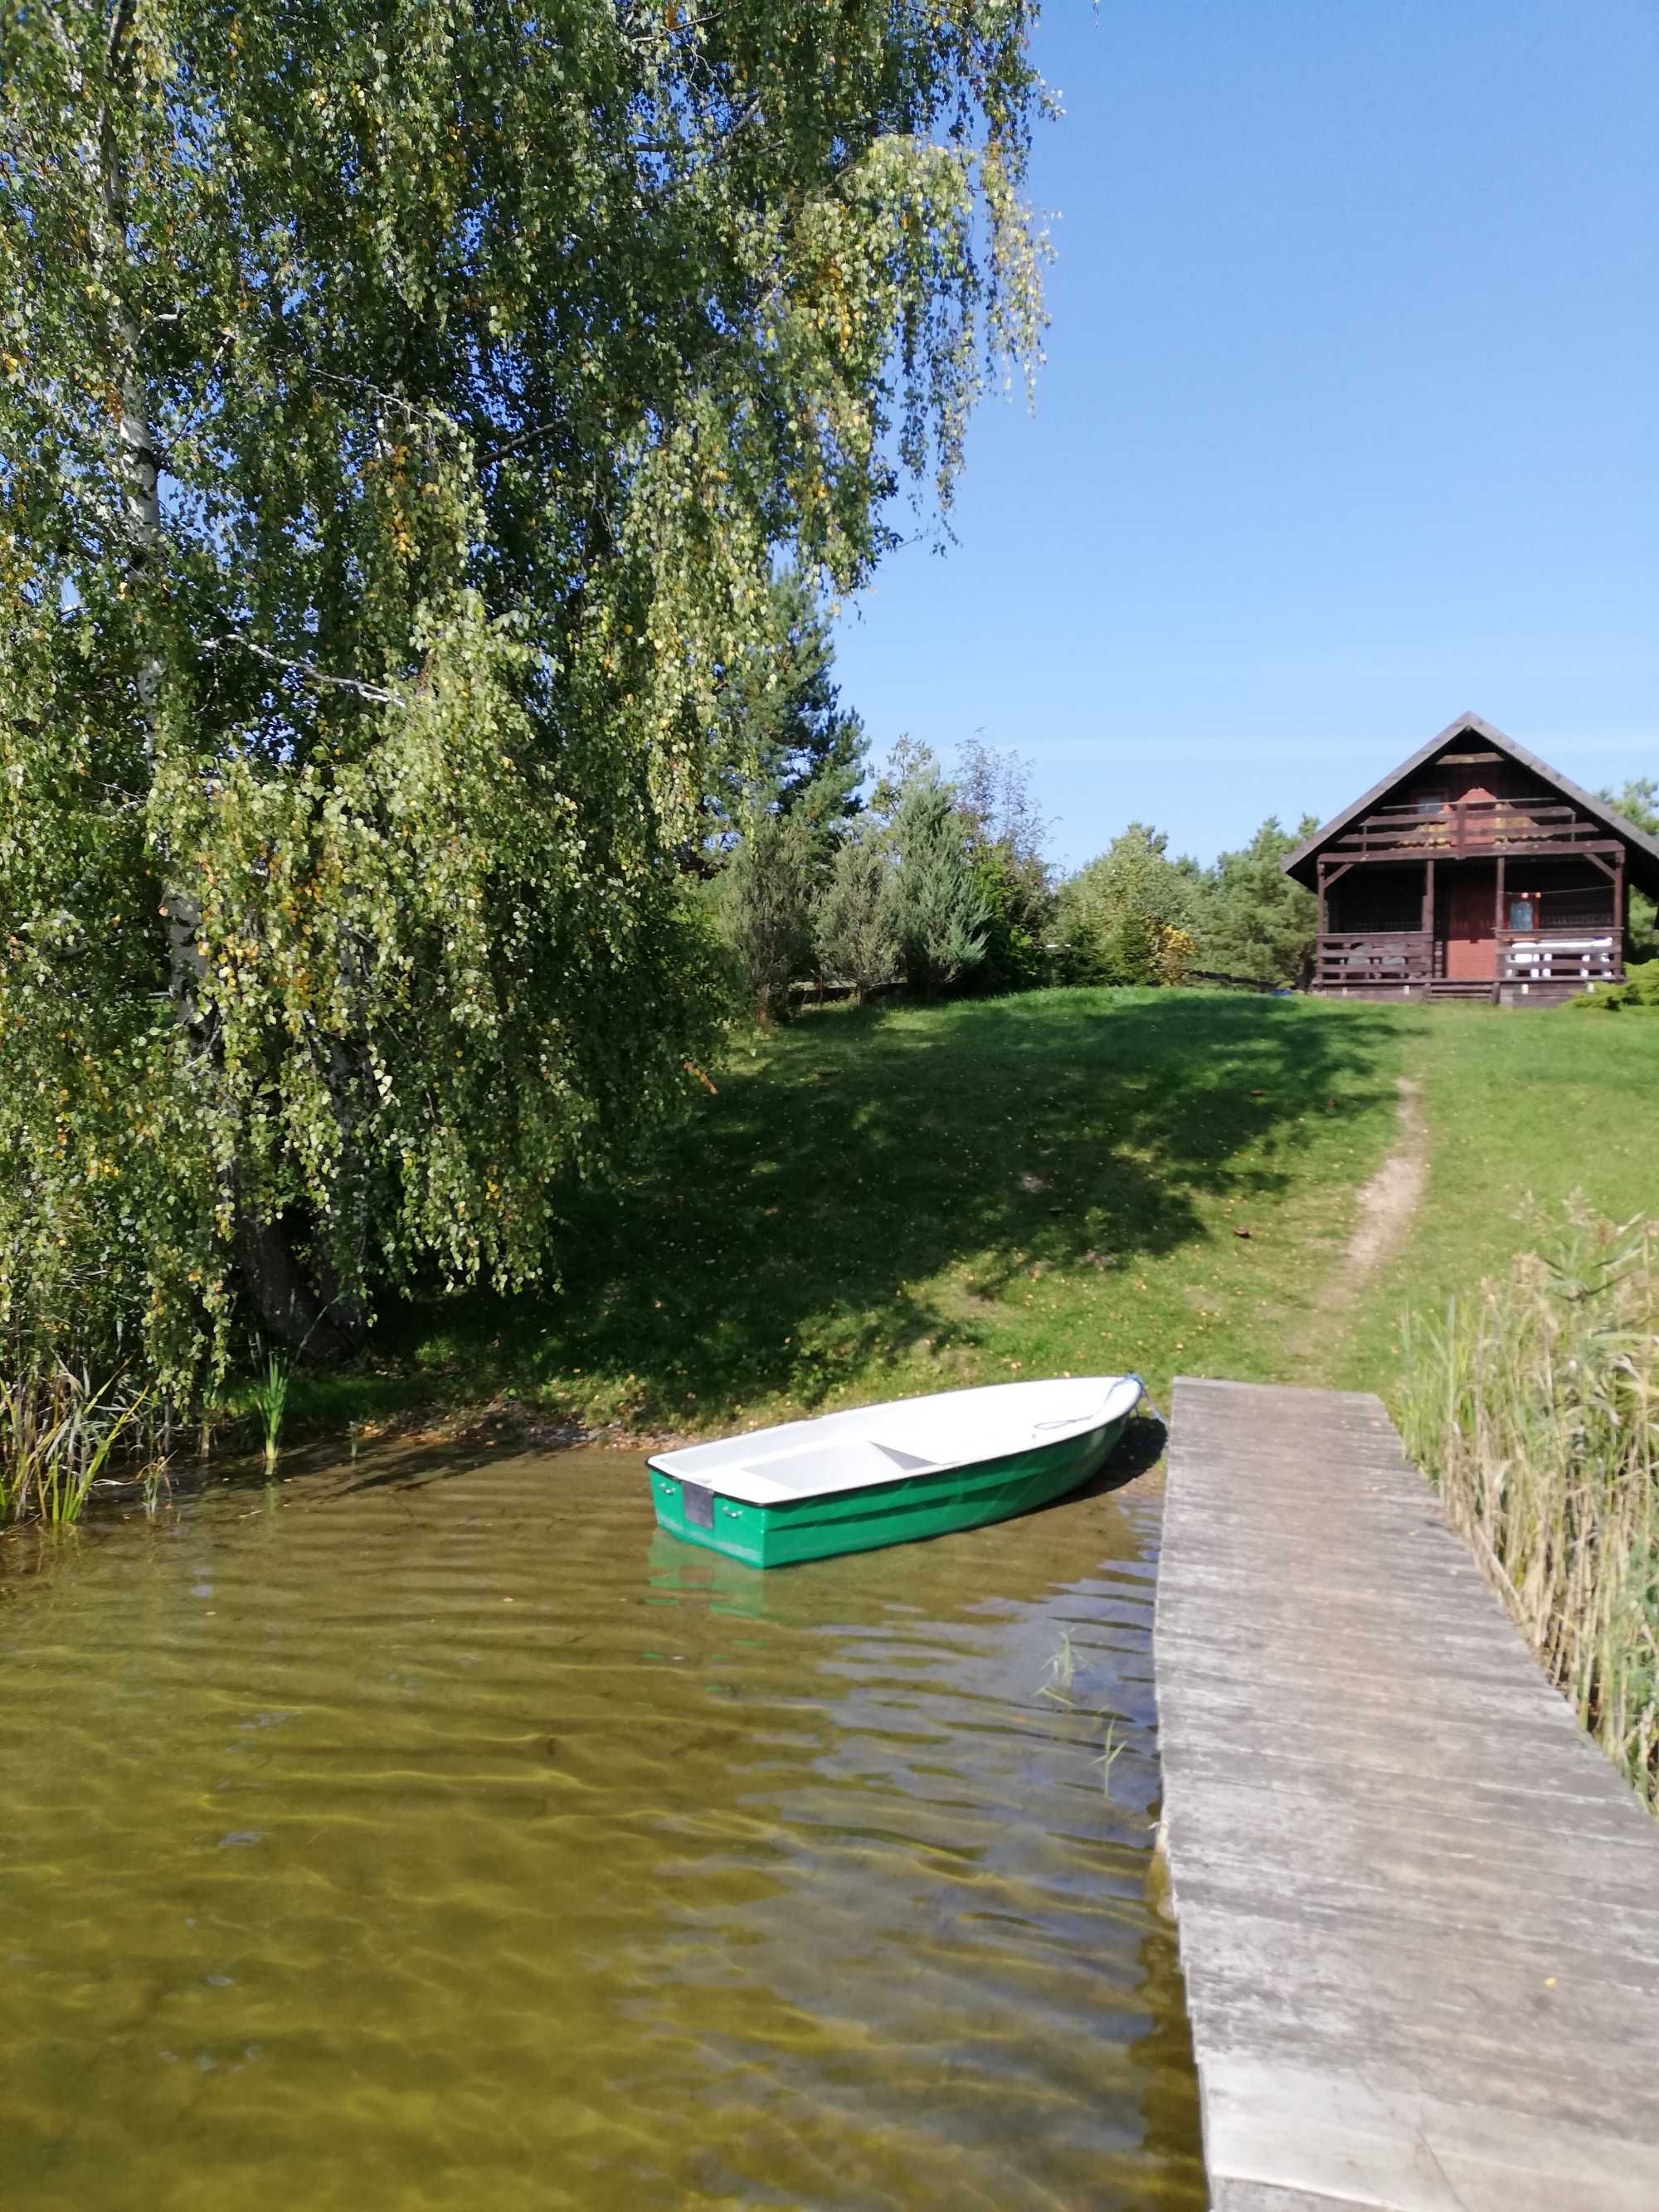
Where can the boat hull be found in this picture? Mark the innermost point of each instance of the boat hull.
(937, 1502)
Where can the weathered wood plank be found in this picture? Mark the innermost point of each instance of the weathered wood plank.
(1419, 1911)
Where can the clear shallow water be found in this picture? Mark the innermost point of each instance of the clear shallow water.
(439, 1835)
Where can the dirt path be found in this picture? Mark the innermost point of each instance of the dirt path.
(1388, 1202)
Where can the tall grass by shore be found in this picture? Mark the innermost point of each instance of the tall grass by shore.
(1535, 1407)
(60, 1430)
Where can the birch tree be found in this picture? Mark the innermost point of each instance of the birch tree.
(403, 409)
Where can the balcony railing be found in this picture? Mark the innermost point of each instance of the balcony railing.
(1353, 959)
(1559, 955)
(1464, 826)
(1375, 955)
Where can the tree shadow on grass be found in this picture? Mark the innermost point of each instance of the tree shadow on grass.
(791, 1234)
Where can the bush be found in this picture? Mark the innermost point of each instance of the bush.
(1638, 993)
(1019, 922)
(1256, 920)
(1131, 916)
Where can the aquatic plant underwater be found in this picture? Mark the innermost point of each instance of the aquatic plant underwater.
(1057, 1686)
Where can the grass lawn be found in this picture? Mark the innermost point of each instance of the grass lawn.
(910, 1198)
(1524, 1110)
(906, 1198)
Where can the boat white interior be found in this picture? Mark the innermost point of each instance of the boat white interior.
(907, 1435)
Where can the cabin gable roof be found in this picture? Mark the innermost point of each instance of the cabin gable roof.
(1643, 851)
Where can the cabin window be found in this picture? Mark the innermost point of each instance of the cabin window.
(1523, 912)
(1430, 802)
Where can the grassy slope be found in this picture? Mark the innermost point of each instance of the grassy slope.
(1524, 1110)
(914, 1199)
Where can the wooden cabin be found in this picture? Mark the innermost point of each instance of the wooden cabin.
(1475, 871)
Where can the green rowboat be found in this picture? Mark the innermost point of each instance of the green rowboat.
(887, 1474)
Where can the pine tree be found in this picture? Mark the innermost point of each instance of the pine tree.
(1255, 921)
(764, 903)
(783, 739)
(940, 911)
(858, 925)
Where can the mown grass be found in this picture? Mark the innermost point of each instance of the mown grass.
(1525, 1110)
(905, 1199)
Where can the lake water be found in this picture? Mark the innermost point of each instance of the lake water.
(433, 1833)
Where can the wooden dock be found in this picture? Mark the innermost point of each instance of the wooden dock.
(1419, 1911)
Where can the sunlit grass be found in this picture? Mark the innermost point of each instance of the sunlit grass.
(1524, 1110)
(1535, 1406)
(915, 1198)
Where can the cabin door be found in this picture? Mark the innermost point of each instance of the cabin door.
(1470, 925)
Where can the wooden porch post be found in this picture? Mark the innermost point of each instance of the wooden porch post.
(1619, 919)
(1497, 960)
(1428, 914)
(1319, 941)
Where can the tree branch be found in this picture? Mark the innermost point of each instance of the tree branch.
(308, 669)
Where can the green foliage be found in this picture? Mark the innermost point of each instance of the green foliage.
(1019, 919)
(1131, 916)
(1253, 920)
(941, 880)
(788, 764)
(857, 925)
(402, 412)
(763, 899)
(939, 908)
(1006, 837)
(1638, 993)
(781, 738)
(268, 1393)
(1638, 802)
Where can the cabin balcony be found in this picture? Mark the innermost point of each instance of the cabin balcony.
(1553, 962)
(1577, 958)
(1463, 828)
(1400, 958)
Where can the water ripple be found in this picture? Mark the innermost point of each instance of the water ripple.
(433, 1842)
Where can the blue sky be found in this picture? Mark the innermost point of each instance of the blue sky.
(1347, 423)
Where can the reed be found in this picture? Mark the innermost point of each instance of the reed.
(59, 1431)
(1534, 1406)
(269, 1393)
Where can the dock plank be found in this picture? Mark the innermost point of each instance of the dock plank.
(1419, 1911)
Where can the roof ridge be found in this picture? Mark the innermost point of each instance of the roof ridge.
(1600, 810)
